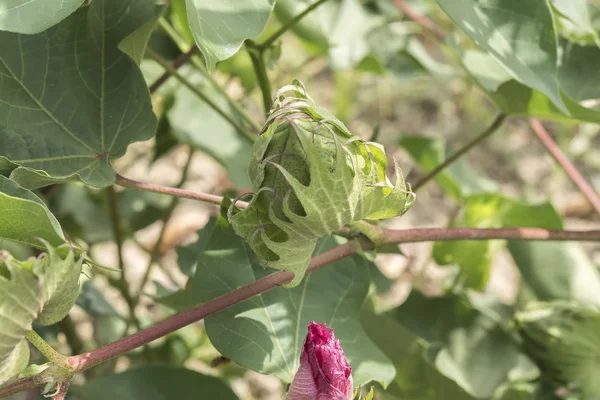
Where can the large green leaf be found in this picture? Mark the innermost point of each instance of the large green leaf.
(25, 218)
(70, 99)
(41, 290)
(34, 16)
(156, 383)
(266, 333)
(476, 351)
(489, 211)
(519, 34)
(221, 26)
(416, 377)
(459, 179)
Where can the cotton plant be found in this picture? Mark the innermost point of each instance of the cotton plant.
(310, 177)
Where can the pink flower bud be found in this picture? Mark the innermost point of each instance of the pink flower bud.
(324, 373)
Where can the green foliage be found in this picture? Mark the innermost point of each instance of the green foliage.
(269, 329)
(220, 27)
(489, 211)
(519, 35)
(91, 100)
(34, 16)
(155, 383)
(25, 217)
(74, 96)
(563, 338)
(22, 302)
(310, 177)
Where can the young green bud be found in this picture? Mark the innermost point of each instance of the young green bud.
(310, 177)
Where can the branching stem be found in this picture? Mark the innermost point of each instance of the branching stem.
(432, 174)
(88, 360)
(48, 351)
(168, 67)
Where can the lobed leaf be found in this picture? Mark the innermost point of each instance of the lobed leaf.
(70, 99)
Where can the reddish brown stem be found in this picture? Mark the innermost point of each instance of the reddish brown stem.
(178, 62)
(544, 137)
(177, 192)
(420, 19)
(88, 360)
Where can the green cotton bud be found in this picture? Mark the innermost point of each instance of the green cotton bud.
(563, 337)
(310, 177)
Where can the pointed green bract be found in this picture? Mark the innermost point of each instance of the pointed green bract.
(310, 177)
(564, 338)
(38, 289)
(70, 99)
(59, 279)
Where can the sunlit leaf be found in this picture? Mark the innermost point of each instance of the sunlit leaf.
(220, 27)
(34, 16)
(519, 35)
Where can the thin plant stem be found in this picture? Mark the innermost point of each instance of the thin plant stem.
(184, 193)
(539, 130)
(121, 284)
(482, 136)
(155, 253)
(156, 57)
(88, 360)
(48, 351)
(562, 160)
(178, 62)
(422, 20)
(287, 26)
(260, 69)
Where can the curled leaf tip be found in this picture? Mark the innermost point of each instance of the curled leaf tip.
(324, 373)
